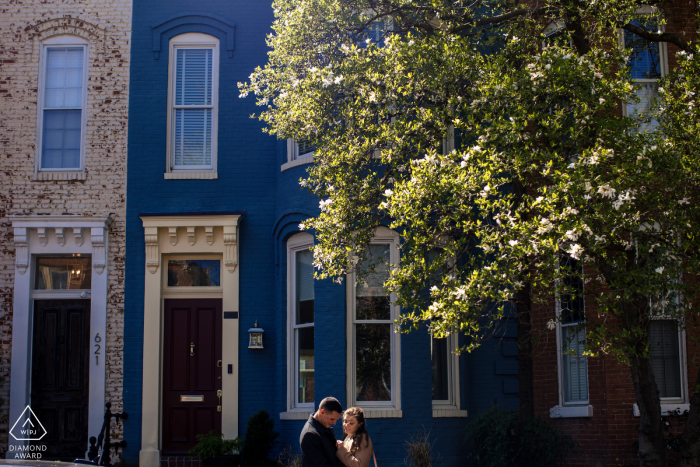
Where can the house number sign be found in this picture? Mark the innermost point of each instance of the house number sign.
(97, 350)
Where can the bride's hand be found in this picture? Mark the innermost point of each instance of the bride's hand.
(338, 443)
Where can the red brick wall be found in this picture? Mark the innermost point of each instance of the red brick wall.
(609, 437)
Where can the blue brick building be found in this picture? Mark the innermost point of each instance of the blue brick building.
(214, 247)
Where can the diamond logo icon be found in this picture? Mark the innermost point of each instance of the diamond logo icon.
(28, 427)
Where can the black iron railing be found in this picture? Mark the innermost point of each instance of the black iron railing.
(102, 442)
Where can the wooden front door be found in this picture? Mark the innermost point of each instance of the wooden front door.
(191, 372)
(60, 376)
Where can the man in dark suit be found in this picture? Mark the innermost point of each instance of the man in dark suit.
(317, 440)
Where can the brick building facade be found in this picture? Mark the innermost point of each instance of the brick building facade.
(605, 420)
(64, 73)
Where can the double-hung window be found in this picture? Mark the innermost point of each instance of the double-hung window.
(665, 354)
(571, 339)
(62, 109)
(192, 102)
(647, 64)
(444, 369)
(666, 347)
(298, 149)
(373, 346)
(300, 316)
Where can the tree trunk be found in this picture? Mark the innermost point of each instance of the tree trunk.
(526, 391)
(690, 441)
(652, 442)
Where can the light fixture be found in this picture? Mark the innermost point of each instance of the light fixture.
(256, 337)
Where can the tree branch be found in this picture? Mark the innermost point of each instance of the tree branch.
(656, 37)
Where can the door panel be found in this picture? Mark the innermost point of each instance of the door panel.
(60, 376)
(192, 343)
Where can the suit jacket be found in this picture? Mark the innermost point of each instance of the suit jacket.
(317, 445)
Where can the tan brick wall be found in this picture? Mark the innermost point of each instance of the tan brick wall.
(107, 27)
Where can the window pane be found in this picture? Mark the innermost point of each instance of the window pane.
(439, 357)
(304, 287)
(372, 300)
(305, 147)
(194, 273)
(61, 139)
(575, 364)
(665, 358)
(193, 137)
(572, 307)
(305, 341)
(64, 77)
(646, 94)
(64, 273)
(373, 362)
(193, 77)
(644, 62)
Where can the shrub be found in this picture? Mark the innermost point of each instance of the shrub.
(288, 458)
(212, 444)
(260, 438)
(503, 438)
(420, 451)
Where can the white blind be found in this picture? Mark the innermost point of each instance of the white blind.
(305, 275)
(575, 366)
(665, 358)
(193, 107)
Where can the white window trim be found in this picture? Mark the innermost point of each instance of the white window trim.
(293, 151)
(452, 403)
(376, 409)
(671, 402)
(293, 157)
(663, 51)
(575, 409)
(448, 142)
(58, 42)
(298, 242)
(560, 359)
(193, 41)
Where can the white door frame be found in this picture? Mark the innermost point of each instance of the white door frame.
(191, 236)
(36, 235)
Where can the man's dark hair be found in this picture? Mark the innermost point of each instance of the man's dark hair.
(330, 404)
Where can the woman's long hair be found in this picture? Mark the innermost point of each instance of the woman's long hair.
(361, 434)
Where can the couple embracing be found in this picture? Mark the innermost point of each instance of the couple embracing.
(319, 448)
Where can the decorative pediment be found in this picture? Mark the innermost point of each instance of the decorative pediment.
(59, 234)
(194, 22)
(201, 232)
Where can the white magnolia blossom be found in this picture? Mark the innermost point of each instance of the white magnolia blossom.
(575, 251)
(551, 325)
(546, 226)
(607, 191)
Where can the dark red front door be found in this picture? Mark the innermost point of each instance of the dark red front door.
(191, 375)
(60, 376)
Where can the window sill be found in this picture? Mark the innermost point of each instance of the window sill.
(301, 161)
(448, 413)
(191, 176)
(59, 176)
(378, 413)
(296, 415)
(578, 411)
(665, 408)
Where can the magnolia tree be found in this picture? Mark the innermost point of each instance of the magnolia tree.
(547, 167)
